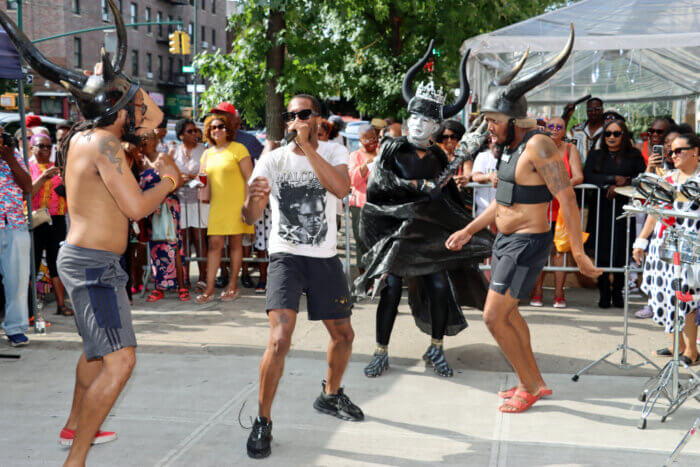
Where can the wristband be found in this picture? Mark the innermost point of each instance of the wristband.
(172, 179)
(640, 243)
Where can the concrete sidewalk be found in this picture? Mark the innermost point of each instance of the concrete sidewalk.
(182, 410)
(196, 366)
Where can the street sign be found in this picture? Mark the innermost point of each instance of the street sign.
(29, 78)
(200, 88)
(187, 69)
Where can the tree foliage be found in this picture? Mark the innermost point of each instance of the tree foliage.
(357, 49)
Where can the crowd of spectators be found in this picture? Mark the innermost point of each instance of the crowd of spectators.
(216, 162)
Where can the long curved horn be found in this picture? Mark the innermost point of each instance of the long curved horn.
(407, 87)
(519, 88)
(452, 109)
(36, 59)
(508, 77)
(120, 55)
(81, 95)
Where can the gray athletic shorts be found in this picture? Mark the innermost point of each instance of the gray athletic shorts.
(517, 260)
(95, 281)
(322, 279)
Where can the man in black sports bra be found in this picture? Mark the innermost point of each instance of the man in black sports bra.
(530, 171)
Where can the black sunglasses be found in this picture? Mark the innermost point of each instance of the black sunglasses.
(655, 131)
(616, 134)
(191, 131)
(218, 127)
(442, 138)
(43, 146)
(678, 151)
(554, 127)
(302, 114)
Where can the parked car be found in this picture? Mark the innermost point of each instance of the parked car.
(11, 123)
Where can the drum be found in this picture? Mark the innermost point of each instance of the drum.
(691, 188)
(654, 188)
(689, 250)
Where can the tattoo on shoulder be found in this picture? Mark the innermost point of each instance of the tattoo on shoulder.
(554, 174)
(110, 147)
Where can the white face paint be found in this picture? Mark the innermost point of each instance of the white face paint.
(420, 129)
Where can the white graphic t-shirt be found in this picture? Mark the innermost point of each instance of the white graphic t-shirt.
(303, 212)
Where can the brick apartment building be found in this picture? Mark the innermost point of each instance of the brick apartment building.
(148, 60)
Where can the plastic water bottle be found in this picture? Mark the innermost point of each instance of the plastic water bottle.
(39, 323)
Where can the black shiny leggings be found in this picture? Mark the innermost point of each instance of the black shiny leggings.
(436, 284)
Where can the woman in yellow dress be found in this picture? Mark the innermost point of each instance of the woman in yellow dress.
(228, 167)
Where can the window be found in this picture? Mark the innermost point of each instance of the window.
(11, 4)
(170, 26)
(191, 2)
(213, 7)
(75, 7)
(134, 62)
(180, 64)
(149, 28)
(105, 11)
(170, 68)
(204, 4)
(203, 37)
(149, 63)
(134, 13)
(213, 38)
(190, 29)
(77, 53)
(159, 18)
(160, 67)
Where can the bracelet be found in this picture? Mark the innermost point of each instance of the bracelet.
(640, 243)
(172, 179)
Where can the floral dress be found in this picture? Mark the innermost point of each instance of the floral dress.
(658, 274)
(162, 252)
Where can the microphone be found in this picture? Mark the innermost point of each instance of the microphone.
(289, 137)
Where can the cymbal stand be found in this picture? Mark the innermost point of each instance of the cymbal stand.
(667, 381)
(624, 347)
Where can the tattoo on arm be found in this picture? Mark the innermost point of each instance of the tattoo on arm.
(110, 147)
(554, 174)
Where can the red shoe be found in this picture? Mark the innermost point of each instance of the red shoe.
(155, 296)
(520, 402)
(508, 393)
(66, 437)
(536, 301)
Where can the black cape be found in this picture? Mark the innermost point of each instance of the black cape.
(405, 228)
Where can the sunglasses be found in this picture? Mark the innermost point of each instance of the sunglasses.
(616, 134)
(218, 127)
(678, 151)
(302, 114)
(554, 127)
(192, 131)
(653, 131)
(442, 138)
(42, 146)
(610, 117)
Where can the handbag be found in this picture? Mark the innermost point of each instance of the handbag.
(163, 225)
(561, 235)
(204, 193)
(40, 216)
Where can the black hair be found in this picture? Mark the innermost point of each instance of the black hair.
(672, 129)
(692, 139)
(594, 99)
(164, 122)
(685, 128)
(315, 104)
(453, 125)
(180, 126)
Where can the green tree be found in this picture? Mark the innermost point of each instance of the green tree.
(358, 49)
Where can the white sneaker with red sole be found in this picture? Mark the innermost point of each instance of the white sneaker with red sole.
(66, 437)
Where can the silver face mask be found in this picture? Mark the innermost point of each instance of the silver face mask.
(420, 129)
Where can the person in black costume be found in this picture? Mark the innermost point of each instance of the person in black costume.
(614, 165)
(412, 207)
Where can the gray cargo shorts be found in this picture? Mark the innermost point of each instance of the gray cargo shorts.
(95, 281)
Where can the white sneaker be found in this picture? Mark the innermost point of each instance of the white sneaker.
(644, 313)
(536, 301)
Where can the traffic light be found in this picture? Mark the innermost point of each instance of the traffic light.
(185, 42)
(436, 52)
(174, 44)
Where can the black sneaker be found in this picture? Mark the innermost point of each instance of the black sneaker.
(338, 405)
(378, 365)
(435, 356)
(259, 440)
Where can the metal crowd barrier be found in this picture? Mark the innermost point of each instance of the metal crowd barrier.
(346, 225)
(581, 192)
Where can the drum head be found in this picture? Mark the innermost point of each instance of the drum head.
(655, 188)
(691, 188)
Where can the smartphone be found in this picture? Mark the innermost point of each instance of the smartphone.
(657, 152)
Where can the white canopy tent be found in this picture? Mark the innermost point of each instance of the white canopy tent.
(625, 51)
